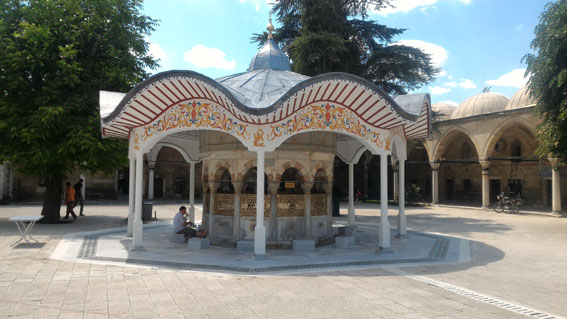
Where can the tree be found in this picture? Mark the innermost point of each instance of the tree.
(548, 81)
(334, 36)
(55, 56)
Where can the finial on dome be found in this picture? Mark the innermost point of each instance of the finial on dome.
(270, 27)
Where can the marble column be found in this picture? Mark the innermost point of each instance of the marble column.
(351, 212)
(402, 233)
(434, 182)
(485, 165)
(260, 229)
(307, 186)
(384, 226)
(395, 164)
(273, 189)
(192, 191)
(138, 224)
(212, 190)
(236, 216)
(151, 166)
(555, 185)
(131, 196)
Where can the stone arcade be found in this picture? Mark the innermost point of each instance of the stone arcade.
(267, 139)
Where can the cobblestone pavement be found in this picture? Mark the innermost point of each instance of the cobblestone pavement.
(520, 259)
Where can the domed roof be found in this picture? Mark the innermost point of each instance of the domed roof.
(520, 99)
(270, 57)
(442, 111)
(483, 103)
(260, 88)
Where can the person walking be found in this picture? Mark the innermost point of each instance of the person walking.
(69, 200)
(79, 195)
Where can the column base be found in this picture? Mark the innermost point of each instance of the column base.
(137, 248)
(401, 236)
(260, 256)
(559, 214)
(384, 250)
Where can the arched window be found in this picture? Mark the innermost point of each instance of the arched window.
(319, 182)
(249, 182)
(291, 182)
(226, 183)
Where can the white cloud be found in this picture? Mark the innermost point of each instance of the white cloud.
(156, 51)
(514, 78)
(438, 53)
(203, 57)
(465, 1)
(405, 6)
(451, 102)
(467, 84)
(437, 90)
(442, 73)
(452, 84)
(256, 3)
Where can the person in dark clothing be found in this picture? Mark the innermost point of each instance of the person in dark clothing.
(79, 195)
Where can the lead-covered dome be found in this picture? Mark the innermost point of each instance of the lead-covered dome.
(520, 99)
(483, 103)
(442, 111)
(270, 57)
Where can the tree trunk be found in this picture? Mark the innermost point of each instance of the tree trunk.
(52, 200)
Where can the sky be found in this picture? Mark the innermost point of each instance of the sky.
(476, 43)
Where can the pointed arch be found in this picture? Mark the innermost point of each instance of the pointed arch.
(516, 122)
(449, 137)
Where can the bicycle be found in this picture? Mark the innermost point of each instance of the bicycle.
(506, 203)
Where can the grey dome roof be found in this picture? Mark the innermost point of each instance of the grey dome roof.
(520, 99)
(260, 88)
(268, 78)
(442, 111)
(482, 103)
(270, 57)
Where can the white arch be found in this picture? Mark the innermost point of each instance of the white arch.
(448, 135)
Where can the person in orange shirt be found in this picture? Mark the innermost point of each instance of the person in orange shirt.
(69, 200)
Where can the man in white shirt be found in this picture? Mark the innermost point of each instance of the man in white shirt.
(180, 225)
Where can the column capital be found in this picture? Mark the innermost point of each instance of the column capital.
(151, 164)
(434, 165)
(555, 162)
(237, 187)
(328, 187)
(273, 187)
(307, 186)
(484, 163)
(213, 186)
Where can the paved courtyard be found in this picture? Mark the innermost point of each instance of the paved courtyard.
(517, 268)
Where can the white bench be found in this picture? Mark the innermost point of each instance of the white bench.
(25, 230)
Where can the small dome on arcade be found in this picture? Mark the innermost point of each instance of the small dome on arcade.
(483, 103)
(520, 99)
(442, 111)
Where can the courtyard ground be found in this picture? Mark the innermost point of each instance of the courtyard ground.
(516, 259)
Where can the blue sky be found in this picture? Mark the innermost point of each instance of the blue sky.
(477, 43)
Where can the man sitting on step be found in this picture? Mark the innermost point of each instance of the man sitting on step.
(180, 225)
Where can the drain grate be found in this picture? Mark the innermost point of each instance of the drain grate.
(478, 296)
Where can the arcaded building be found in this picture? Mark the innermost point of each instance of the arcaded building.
(482, 147)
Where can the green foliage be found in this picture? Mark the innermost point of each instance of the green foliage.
(55, 57)
(548, 83)
(334, 36)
